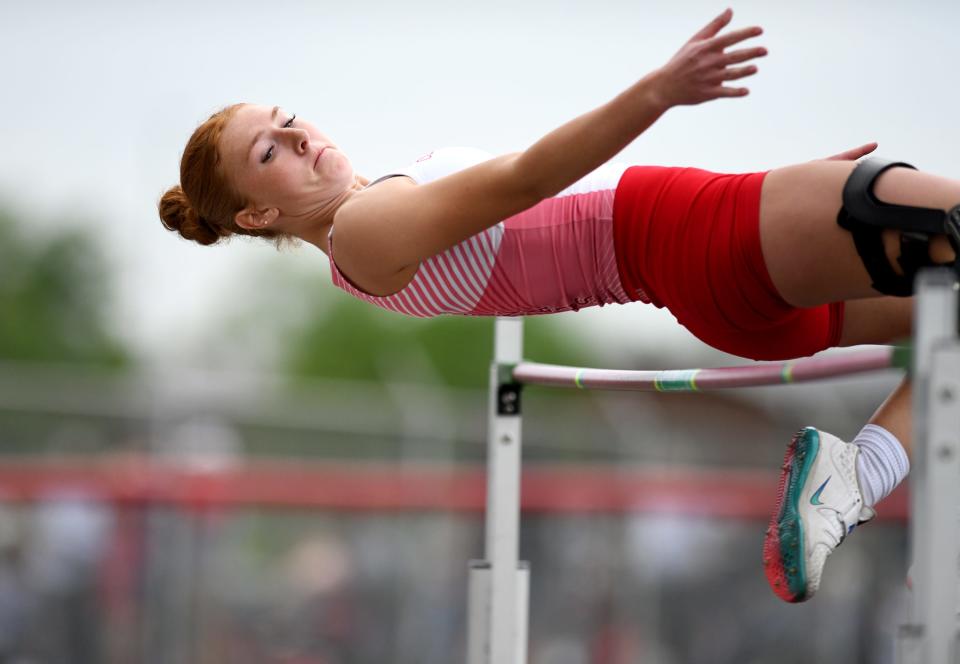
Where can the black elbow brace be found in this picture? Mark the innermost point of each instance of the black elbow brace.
(866, 217)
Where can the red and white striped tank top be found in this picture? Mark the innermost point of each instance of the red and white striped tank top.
(555, 256)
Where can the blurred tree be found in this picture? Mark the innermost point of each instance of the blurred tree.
(354, 340)
(52, 298)
(280, 315)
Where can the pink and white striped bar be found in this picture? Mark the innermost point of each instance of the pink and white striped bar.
(696, 380)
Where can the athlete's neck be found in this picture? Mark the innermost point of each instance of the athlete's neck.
(316, 230)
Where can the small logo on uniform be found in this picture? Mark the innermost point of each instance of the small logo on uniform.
(425, 157)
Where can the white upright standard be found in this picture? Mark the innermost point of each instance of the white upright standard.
(930, 634)
(499, 585)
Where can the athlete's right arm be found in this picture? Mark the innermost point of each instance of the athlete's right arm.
(696, 74)
(390, 231)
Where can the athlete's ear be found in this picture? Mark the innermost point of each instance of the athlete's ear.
(253, 219)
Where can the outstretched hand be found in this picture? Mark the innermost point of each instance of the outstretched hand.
(698, 71)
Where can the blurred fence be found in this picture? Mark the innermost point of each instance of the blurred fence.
(199, 517)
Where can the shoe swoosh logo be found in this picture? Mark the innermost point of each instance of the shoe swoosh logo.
(815, 498)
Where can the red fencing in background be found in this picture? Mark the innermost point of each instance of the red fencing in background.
(420, 486)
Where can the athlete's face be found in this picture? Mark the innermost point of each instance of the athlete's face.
(277, 160)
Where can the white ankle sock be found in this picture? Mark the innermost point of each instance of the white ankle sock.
(881, 465)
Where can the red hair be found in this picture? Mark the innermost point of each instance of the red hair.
(202, 207)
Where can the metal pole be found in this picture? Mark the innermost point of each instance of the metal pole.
(499, 585)
(930, 635)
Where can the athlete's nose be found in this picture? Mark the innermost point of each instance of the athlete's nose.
(302, 141)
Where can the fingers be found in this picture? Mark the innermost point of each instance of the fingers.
(725, 41)
(698, 71)
(854, 153)
(861, 151)
(730, 92)
(735, 57)
(714, 26)
(729, 73)
(734, 73)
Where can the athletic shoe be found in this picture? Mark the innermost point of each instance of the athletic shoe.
(818, 505)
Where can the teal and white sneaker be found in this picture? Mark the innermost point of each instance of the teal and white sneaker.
(818, 505)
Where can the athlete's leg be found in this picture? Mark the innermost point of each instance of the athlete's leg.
(894, 415)
(883, 320)
(828, 485)
(810, 258)
(877, 320)
(886, 443)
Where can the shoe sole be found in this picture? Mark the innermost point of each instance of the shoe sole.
(783, 558)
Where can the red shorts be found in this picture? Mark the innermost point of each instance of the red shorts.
(690, 240)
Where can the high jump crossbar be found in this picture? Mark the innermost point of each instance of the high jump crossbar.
(499, 584)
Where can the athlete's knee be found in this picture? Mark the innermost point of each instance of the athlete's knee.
(921, 237)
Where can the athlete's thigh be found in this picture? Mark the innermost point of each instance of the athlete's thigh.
(877, 320)
(810, 258)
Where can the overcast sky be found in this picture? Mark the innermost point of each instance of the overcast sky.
(100, 97)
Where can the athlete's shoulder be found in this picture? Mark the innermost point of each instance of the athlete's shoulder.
(443, 161)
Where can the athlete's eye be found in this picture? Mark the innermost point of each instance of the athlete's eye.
(269, 152)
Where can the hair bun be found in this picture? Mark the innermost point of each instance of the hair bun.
(178, 214)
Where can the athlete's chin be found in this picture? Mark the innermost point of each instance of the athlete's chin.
(334, 162)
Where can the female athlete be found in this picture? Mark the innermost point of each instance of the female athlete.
(766, 265)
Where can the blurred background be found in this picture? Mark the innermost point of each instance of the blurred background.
(209, 455)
